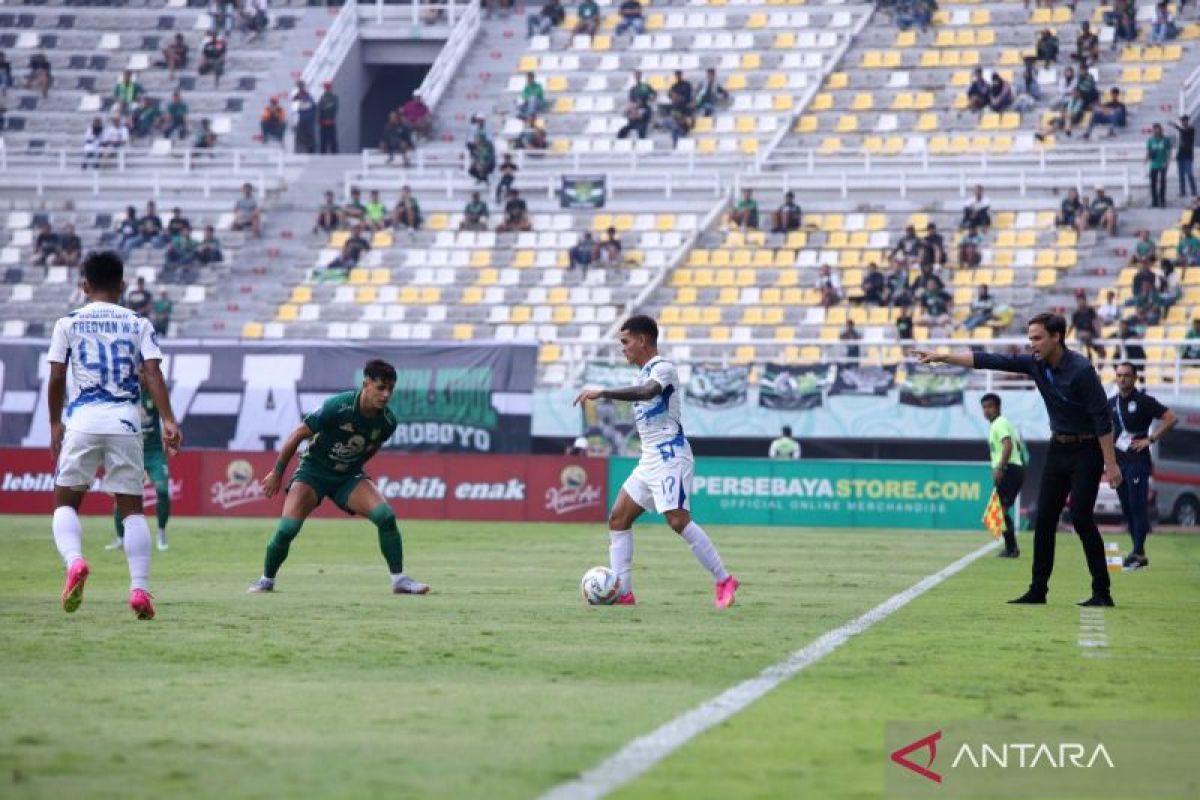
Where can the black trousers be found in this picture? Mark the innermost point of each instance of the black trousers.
(1158, 188)
(329, 142)
(1074, 470)
(1007, 491)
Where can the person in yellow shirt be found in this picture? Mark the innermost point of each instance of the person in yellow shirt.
(1009, 458)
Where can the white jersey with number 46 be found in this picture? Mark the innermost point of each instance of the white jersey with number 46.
(102, 345)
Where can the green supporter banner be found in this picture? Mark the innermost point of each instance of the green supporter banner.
(869, 494)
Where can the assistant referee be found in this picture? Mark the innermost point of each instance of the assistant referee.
(1081, 446)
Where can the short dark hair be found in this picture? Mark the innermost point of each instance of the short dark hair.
(379, 370)
(104, 271)
(787, 430)
(1053, 323)
(990, 397)
(1129, 364)
(643, 324)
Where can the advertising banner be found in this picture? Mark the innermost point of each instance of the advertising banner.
(864, 380)
(217, 484)
(791, 388)
(609, 426)
(933, 386)
(872, 494)
(718, 387)
(583, 191)
(249, 396)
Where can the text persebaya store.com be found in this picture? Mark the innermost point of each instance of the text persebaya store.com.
(841, 494)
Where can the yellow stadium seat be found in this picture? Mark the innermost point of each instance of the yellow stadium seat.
(288, 312)
(301, 295)
(463, 332)
(756, 20)
(252, 330)
(783, 102)
(830, 145)
(437, 222)
(548, 353)
(807, 124)
(847, 123)
(784, 41)
(927, 122)
(359, 277)
(751, 61)
(863, 101)
(906, 38)
(366, 294)
(736, 82)
(837, 80)
(821, 102)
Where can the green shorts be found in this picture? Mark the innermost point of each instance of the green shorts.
(336, 487)
(156, 469)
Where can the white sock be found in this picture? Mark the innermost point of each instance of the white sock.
(705, 551)
(620, 558)
(137, 551)
(396, 576)
(68, 534)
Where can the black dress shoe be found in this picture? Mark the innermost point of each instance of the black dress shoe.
(1098, 600)
(1009, 553)
(1029, 599)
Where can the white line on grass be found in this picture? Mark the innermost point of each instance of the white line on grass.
(643, 753)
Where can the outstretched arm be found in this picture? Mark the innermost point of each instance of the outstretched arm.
(957, 359)
(274, 478)
(629, 394)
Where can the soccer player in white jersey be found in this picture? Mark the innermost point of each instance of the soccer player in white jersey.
(102, 346)
(662, 479)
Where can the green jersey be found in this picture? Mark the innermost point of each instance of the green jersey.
(1158, 151)
(784, 447)
(151, 425)
(1002, 429)
(345, 439)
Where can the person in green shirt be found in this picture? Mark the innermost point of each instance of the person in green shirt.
(176, 118)
(1191, 352)
(533, 98)
(1009, 459)
(475, 215)
(589, 18)
(1144, 250)
(1188, 249)
(785, 447)
(160, 314)
(345, 432)
(127, 91)
(376, 211)
(155, 460)
(745, 213)
(1158, 155)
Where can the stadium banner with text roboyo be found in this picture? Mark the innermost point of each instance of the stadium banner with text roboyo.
(471, 398)
(213, 483)
(872, 494)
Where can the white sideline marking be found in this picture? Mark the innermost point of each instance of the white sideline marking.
(643, 753)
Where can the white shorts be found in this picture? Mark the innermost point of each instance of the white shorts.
(120, 454)
(662, 486)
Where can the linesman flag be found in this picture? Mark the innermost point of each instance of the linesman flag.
(993, 516)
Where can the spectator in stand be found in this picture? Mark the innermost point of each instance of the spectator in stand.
(516, 214)
(126, 232)
(1047, 47)
(397, 138)
(1029, 91)
(851, 335)
(160, 313)
(328, 215)
(1000, 94)
(895, 291)
(745, 213)
(1158, 156)
(1192, 215)
(1070, 210)
(680, 93)
(1087, 45)
(935, 302)
(970, 249)
(1187, 252)
(205, 138)
(212, 58)
(1070, 116)
(788, 216)
(904, 324)
(255, 19)
(533, 98)
(417, 116)
(640, 91)
(1191, 351)
(246, 213)
(1185, 154)
(181, 252)
(982, 308)
(637, 120)
(138, 298)
(475, 214)
(40, 77)
(508, 174)
(6, 76)
(609, 252)
(376, 212)
(407, 213)
(1088, 89)
(145, 117)
(978, 91)
(150, 227)
(933, 248)
(274, 121)
(175, 55)
(70, 248)
(588, 15)
(45, 246)
(1111, 112)
(1067, 83)
(924, 275)
(1126, 21)
(1101, 213)
(1163, 29)
(127, 92)
(710, 94)
(114, 138)
(1169, 288)
(583, 253)
(874, 286)
(175, 224)
(354, 211)
(304, 107)
(175, 120)
(678, 122)
(547, 19)
(483, 163)
(209, 249)
(533, 135)
(977, 211)
(631, 18)
(1085, 321)
(356, 244)
(1142, 279)
(327, 111)
(909, 246)
(1110, 311)
(1144, 251)
(829, 286)
(1129, 349)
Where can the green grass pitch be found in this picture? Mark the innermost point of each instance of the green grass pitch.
(502, 683)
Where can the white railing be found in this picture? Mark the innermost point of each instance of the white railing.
(1189, 94)
(436, 16)
(156, 183)
(1102, 154)
(331, 52)
(186, 160)
(462, 38)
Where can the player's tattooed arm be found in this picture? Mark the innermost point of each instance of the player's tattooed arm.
(630, 394)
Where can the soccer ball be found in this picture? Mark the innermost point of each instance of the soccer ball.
(600, 586)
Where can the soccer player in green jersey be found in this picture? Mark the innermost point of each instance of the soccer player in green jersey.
(345, 431)
(156, 471)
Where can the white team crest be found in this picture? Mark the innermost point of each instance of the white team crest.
(1133, 406)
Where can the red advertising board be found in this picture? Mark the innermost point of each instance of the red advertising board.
(467, 487)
